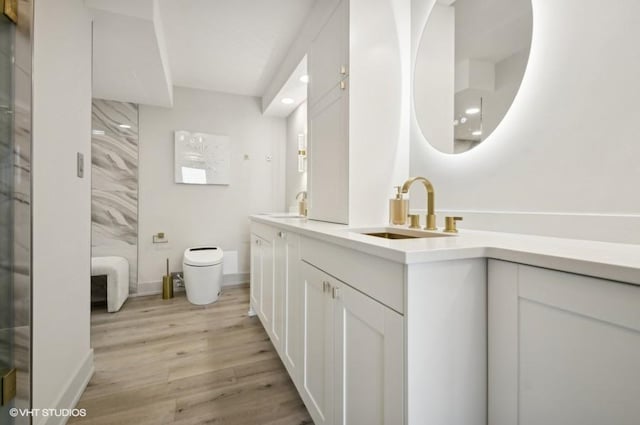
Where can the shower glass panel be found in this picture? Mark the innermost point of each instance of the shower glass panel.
(7, 31)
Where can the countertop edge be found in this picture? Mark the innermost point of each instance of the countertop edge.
(593, 266)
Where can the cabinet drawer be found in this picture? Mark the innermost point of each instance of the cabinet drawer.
(380, 279)
(263, 231)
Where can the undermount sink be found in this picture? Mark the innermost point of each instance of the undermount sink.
(389, 235)
(399, 233)
(287, 216)
(283, 215)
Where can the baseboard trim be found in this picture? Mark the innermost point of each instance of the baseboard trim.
(155, 287)
(72, 391)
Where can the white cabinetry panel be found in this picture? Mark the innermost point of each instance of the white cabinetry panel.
(328, 172)
(318, 346)
(265, 311)
(369, 360)
(329, 54)
(572, 357)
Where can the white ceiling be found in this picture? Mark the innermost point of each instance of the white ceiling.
(294, 88)
(129, 58)
(232, 46)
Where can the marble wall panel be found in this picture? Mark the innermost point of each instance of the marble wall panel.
(114, 183)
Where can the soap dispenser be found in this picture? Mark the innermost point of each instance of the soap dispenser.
(398, 208)
(302, 203)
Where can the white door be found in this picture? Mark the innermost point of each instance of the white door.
(293, 343)
(255, 273)
(266, 297)
(318, 371)
(563, 348)
(369, 353)
(328, 55)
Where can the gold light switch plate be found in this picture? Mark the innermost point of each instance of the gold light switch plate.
(8, 384)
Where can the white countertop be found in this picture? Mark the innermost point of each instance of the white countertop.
(614, 261)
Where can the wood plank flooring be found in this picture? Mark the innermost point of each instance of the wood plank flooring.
(170, 362)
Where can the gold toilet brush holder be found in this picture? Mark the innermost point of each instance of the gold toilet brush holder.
(167, 284)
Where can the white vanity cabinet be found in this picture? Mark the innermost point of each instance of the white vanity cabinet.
(261, 291)
(275, 295)
(354, 362)
(563, 348)
(343, 349)
(288, 302)
(317, 380)
(353, 354)
(368, 340)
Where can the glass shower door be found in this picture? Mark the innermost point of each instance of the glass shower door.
(7, 31)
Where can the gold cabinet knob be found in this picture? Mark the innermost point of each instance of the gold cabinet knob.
(450, 224)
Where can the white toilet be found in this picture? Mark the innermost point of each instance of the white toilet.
(202, 268)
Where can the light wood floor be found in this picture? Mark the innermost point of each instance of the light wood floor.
(170, 362)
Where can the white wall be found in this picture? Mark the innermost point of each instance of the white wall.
(379, 97)
(62, 357)
(435, 87)
(192, 215)
(568, 145)
(295, 180)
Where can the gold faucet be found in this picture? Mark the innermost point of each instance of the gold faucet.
(431, 217)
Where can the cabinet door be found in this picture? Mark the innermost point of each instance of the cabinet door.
(280, 249)
(329, 54)
(328, 163)
(369, 366)
(255, 280)
(266, 284)
(563, 348)
(318, 372)
(293, 304)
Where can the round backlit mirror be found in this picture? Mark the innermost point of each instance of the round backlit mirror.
(469, 65)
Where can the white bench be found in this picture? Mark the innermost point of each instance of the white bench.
(117, 271)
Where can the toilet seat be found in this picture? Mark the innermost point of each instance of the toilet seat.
(203, 256)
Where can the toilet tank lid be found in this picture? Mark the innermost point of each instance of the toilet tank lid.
(203, 256)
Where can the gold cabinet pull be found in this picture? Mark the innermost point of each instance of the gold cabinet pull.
(335, 292)
(343, 85)
(326, 286)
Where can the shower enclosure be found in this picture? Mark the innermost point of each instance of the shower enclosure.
(15, 214)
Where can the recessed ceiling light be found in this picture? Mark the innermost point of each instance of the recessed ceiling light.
(477, 133)
(97, 132)
(472, 111)
(304, 79)
(287, 101)
(124, 126)
(463, 120)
